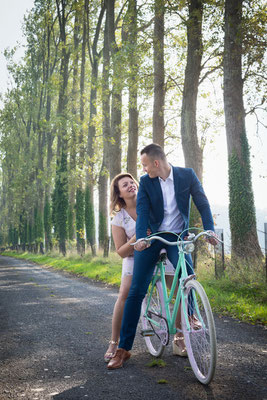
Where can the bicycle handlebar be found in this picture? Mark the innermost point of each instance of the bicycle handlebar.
(193, 240)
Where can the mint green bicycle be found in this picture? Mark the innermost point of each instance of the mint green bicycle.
(158, 320)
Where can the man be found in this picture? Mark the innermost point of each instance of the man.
(163, 204)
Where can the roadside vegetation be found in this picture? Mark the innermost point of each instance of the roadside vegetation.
(242, 295)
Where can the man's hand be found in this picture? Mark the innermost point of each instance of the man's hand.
(142, 245)
(214, 239)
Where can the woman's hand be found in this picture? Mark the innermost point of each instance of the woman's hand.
(142, 245)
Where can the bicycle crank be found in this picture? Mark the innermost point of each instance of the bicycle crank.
(160, 327)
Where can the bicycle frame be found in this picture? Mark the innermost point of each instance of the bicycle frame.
(197, 323)
(180, 297)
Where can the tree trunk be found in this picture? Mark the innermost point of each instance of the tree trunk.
(74, 133)
(39, 173)
(90, 179)
(116, 104)
(133, 88)
(103, 176)
(193, 153)
(245, 243)
(47, 213)
(90, 218)
(62, 147)
(159, 89)
(80, 202)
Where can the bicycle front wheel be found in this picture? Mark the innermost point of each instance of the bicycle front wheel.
(199, 332)
(154, 329)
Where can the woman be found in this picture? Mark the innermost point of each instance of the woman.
(123, 194)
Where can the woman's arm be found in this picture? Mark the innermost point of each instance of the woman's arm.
(122, 244)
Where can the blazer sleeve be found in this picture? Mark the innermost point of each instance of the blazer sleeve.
(142, 210)
(201, 202)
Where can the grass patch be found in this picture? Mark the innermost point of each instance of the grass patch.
(156, 362)
(240, 294)
(162, 381)
(97, 268)
(245, 301)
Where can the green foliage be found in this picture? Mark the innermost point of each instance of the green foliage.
(53, 214)
(38, 228)
(30, 236)
(23, 230)
(13, 236)
(89, 217)
(71, 228)
(36, 116)
(80, 220)
(47, 222)
(61, 202)
(102, 229)
(241, 208)
(2, 239)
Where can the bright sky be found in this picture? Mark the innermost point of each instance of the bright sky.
(11, 18)
(215, 156)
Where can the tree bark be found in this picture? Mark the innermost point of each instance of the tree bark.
(159, 74)
(133, 89)
(80, 203)
(62, 145)
(74, 131)
(242, 217)
(116, 103)
(89, 204)
(193, 153)
(103, 176)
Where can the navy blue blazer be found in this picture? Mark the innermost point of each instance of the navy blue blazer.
(150, 208)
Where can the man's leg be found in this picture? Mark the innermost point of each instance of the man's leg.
(144, 264)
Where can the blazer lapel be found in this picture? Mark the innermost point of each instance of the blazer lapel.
(176, 182)
(158, 190)
(177, 186)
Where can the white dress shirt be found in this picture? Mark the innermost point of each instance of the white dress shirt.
(173, 220)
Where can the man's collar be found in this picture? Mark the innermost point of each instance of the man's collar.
(169, 177)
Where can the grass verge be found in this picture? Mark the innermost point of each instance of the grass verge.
(244, 299)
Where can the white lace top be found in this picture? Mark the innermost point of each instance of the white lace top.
(124, 220)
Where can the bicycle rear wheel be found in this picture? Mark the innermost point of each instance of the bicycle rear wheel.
(155, 333)
(200, 338)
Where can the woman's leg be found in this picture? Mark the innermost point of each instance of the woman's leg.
(117, 315)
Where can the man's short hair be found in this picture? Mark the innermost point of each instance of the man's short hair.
(154, 151)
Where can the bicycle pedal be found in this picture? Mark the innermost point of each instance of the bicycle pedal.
(147, 332)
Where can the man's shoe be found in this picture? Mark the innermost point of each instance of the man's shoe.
(119, 358)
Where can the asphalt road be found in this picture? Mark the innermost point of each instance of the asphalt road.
(54, 330)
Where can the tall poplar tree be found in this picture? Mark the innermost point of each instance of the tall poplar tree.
(61, 188)
(159, 73)
(94, 56)
(193, 153)
(131, 37)
(245, 243)
(116, 102)
(103, 175)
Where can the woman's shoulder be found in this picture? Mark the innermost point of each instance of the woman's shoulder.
(118, 218)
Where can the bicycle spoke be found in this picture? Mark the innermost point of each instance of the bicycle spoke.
(159, 338)
(200, 338)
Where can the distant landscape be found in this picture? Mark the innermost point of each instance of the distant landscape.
(221, 218)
